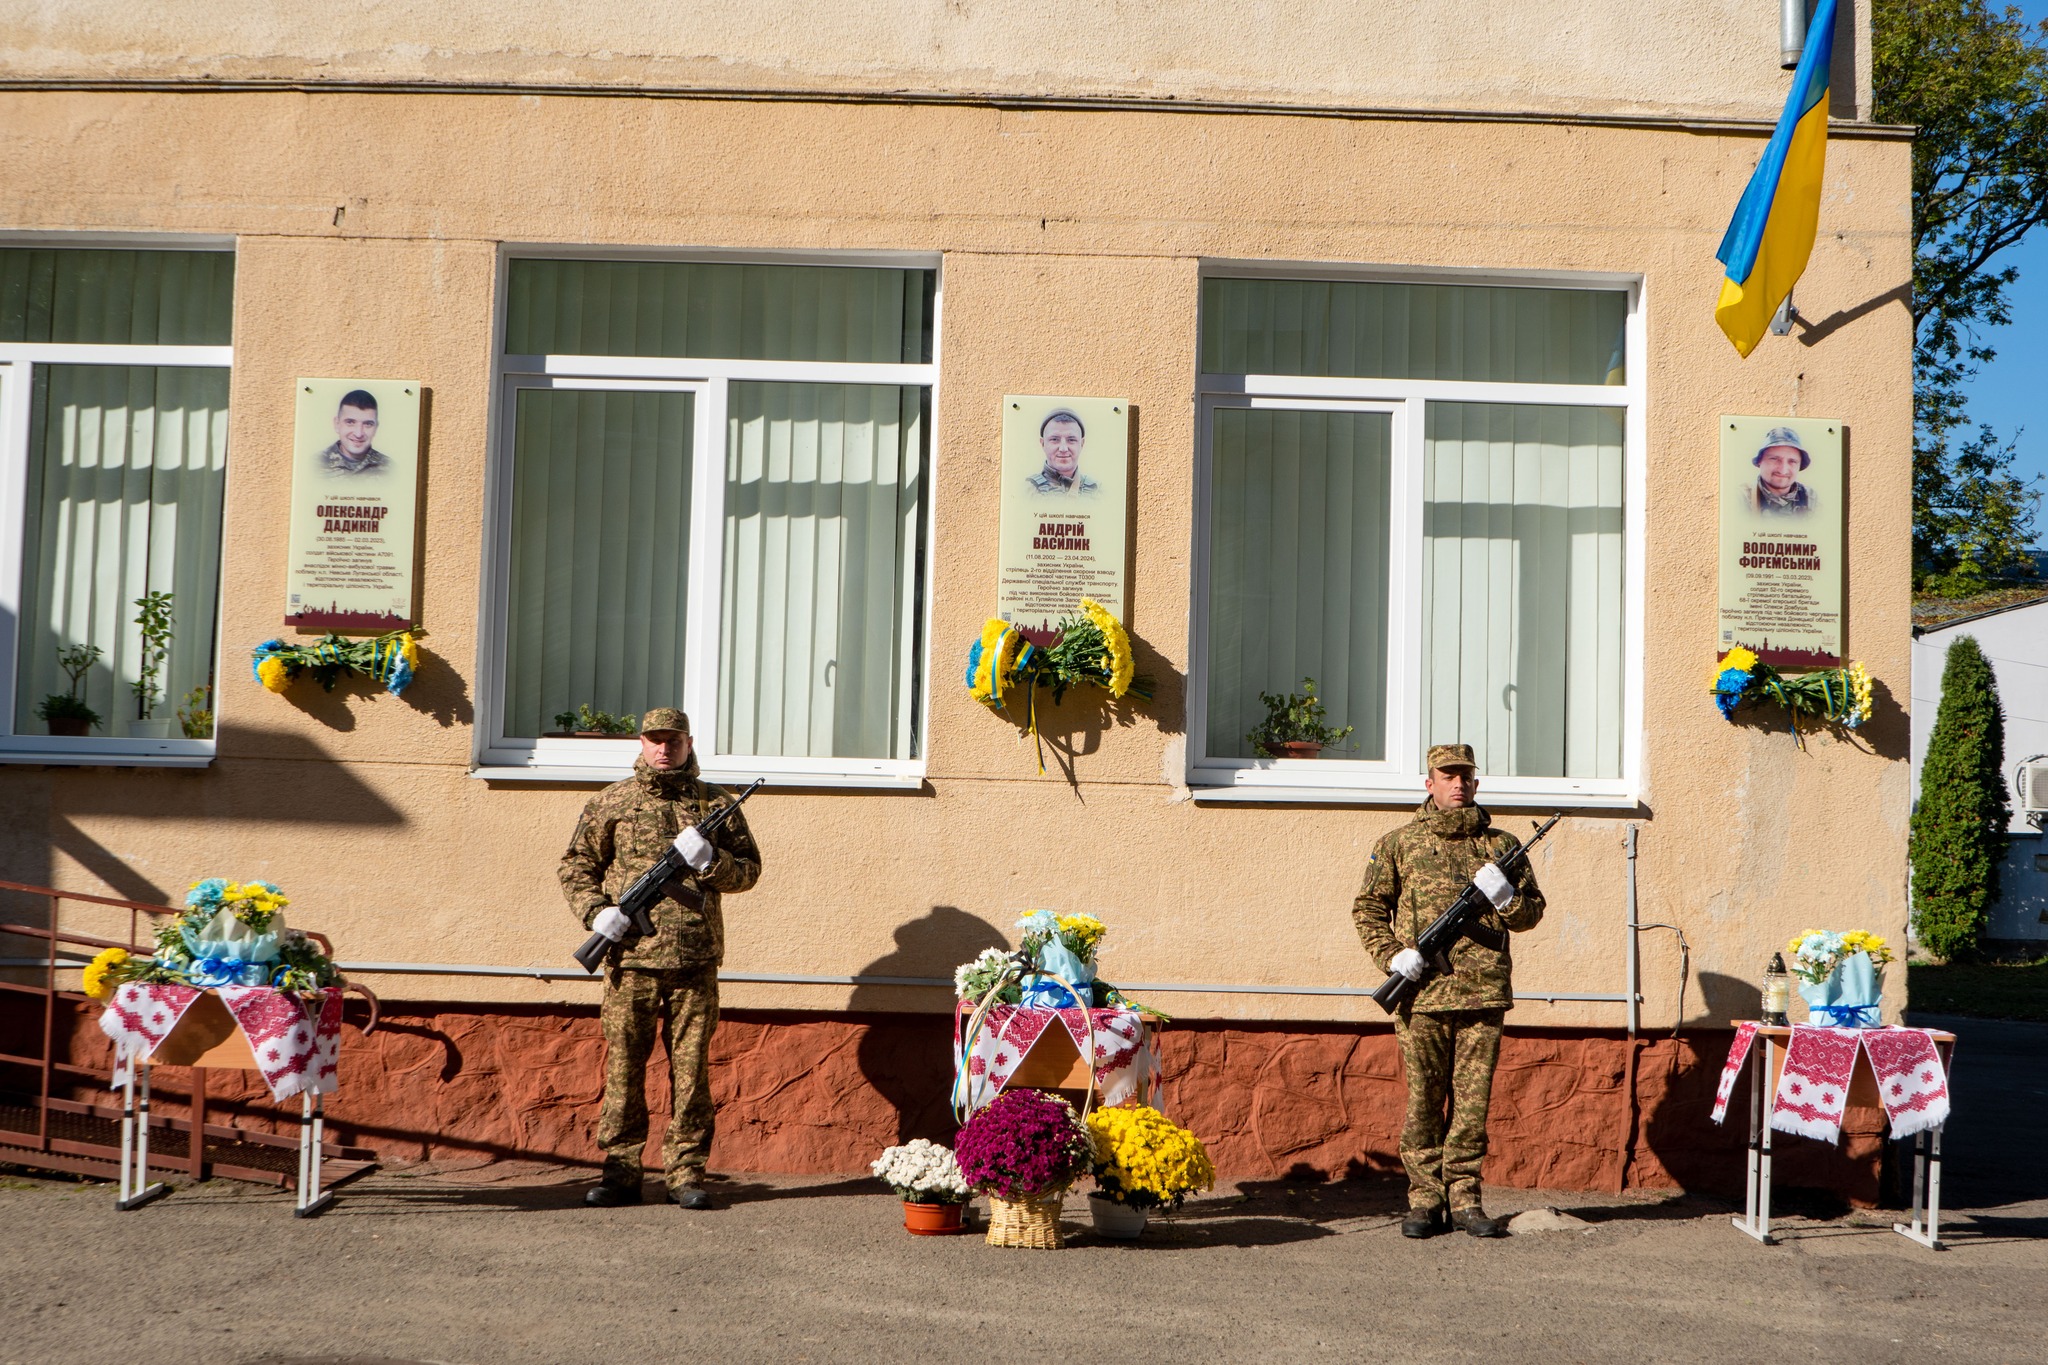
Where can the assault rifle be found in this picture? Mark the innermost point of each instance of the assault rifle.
(1460, 921)
(637, 905)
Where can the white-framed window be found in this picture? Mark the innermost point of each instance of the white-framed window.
(712, 489)
(1424, 492)
(114, 364)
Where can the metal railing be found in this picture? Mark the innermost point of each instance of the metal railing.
(81, 1138)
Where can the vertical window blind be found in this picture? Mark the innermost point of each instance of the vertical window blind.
(597, 605)
(126, 475)
(822, 539)
(1522, 586)
(1371, 329)
(823, 518)
(1299, 538)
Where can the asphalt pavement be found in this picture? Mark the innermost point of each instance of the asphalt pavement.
(503, 1264)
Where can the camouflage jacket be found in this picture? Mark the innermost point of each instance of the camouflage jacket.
(1414, 875)
(624, 831)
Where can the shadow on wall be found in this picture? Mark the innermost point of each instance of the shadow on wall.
(1073, 728)
(436, 690)
(45, 815)
(914, 1073)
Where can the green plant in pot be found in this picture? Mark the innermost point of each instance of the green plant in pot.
(155, 620)
(1295, 725)
(586, 722)
(195, 717)
(66, 712)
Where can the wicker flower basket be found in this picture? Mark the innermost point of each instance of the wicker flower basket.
(1031, 1223)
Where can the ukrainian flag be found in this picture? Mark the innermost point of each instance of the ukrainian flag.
(1772, 232)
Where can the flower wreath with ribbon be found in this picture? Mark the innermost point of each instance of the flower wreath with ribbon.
(1089, 647)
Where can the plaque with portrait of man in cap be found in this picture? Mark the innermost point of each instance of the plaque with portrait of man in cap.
(1782, 539)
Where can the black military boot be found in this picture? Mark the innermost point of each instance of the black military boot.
(1423, 1223)
(608, 1196)
(689, 1196)
(1475, 1221)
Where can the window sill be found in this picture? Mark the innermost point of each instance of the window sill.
(1498, 794)
(600, 775)
(120, 752)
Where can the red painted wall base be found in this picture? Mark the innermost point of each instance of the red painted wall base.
(820, 1092)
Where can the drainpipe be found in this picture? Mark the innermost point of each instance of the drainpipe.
(1791, 32)
(1628, 1132)
(1635, 975)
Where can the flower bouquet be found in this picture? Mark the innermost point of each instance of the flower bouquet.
(230, 934)
(1022, 1150)
(1840, 975)
(1834, 696)
(1089, 647)
(1143, 1161)
(389, 660)
(924, 1175)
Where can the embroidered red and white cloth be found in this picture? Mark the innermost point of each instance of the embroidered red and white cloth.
(1813, 1089)
(297, 1047)
(139, 1017)
(1124, 1061)
(1910, 1078)
(1738, 1053)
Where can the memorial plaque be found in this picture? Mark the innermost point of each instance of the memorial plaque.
(1782, 539)
(355, 487)
(1066, 488)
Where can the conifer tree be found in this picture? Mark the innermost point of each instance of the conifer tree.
(1958, 829)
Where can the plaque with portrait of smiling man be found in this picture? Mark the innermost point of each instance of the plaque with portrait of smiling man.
(1782, 539)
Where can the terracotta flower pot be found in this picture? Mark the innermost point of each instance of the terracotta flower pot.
(932, 1220)
(71, 727)
(1292, 748)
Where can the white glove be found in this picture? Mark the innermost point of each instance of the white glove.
(1494, 885)
(611, 922)
(695, 848)
(1408, 963)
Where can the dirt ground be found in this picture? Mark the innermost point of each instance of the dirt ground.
(503, 1264)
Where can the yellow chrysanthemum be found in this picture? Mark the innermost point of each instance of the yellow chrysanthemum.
(983, 683)
(1117, 661)
(410, 648)
(1739, 658)
(94, 979)
(276, 677)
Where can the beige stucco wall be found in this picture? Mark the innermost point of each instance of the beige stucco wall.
(1697, 57)
(1071, 243)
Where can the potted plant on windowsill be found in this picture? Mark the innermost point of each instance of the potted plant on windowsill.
(155, 621)
(586, 722)
(1294, 726)
(66, 712)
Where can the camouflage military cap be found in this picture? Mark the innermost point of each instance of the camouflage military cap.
(664, 718)
(1451, 756)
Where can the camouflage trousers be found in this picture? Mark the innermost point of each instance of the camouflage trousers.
(1449, 1056)
(640, 1006)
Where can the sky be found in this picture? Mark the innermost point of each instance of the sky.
(2012, 391)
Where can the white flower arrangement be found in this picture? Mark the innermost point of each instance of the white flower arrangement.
(922, 1172)
(972, 980)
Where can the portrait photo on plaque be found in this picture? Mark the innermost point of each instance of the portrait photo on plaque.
(1066, 480)
(355, 487)
(1782, 539)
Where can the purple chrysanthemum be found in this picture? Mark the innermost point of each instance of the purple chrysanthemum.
(1023, 1144)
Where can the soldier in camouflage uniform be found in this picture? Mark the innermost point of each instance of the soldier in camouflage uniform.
(1450, 1031)
(671, 976)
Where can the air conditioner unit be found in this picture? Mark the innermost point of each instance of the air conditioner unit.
(2031, 786)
